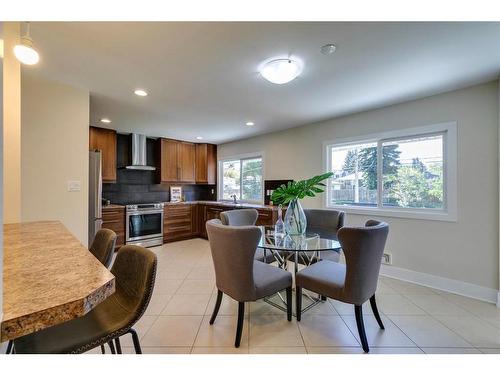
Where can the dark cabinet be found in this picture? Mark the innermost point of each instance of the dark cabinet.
(206, 163)
(186, 159)
(209, 212)
(114, 218)
(176, 161)
(179, 222)
(105, 141)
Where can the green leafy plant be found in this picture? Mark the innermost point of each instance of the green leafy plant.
(300, 189)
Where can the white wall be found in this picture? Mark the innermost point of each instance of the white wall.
(12, 126)
(55, 121)
(466, 250)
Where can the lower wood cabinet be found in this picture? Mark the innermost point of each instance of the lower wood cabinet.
(114, 218)
(179, 222)
(209, 212)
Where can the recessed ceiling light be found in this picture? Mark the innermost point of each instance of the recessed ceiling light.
(26, 52)
(105, 120)
(140, 92)
(328, 49)
(199, 138)
(281, 71)
(249, 123)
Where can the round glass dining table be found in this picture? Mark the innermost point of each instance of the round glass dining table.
(305, 249)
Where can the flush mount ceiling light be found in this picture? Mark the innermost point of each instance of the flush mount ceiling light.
(281, 71)
(199, 138)
(249, 123)
(328, 49)
(140, 92)
(105, 120)
(25, 52)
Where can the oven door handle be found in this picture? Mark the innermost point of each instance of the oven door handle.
(135, 213)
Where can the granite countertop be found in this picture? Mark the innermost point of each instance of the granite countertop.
(113, 206)
(227, 204)
(49, 278)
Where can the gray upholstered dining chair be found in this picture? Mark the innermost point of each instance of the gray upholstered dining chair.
(246, 216)
(238, 275)
(134, 269)
(326, 223)
(103, 246)
(356, 281)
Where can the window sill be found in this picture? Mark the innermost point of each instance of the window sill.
(397, 213)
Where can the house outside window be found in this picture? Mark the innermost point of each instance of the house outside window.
(409, 173)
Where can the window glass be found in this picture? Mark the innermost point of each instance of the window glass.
(251, 179)
(231, 179)
(355, 175)
(243, 178)
(413, 172)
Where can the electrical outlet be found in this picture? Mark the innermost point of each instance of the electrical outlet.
(387, 258)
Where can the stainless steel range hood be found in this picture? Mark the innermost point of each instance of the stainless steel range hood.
(139, 160)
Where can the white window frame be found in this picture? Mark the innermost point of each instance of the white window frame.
(449, 212)
(220, 179)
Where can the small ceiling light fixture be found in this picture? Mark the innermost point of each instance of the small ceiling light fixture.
(249, 123)
(25, 52)
(199, 138)
(105, 120)
(140, 92)
(281, 71)
(328, 49)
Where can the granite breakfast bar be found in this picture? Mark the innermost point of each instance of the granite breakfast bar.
(49, 278)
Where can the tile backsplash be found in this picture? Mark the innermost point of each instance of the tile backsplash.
(135, 186)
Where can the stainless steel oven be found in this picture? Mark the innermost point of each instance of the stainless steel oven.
(144, 224)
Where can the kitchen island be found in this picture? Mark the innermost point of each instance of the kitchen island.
(49, 278)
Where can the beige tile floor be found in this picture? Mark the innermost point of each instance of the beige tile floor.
(417, 319)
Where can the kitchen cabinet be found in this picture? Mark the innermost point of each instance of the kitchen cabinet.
(209, 212)
(206, 163)
(113, 217)
(176, 161)
(105, 141)
(179, 222)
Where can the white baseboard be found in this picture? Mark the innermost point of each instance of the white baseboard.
(441, 283)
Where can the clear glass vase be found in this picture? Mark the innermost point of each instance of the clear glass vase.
(295, 219)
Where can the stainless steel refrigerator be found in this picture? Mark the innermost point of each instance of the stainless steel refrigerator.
(95, 193)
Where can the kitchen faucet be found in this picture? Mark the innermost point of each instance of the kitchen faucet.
(234, 199)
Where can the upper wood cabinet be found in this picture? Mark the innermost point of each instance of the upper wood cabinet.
(186, 155)
(206, 163)
(176, 161)
(105, 141)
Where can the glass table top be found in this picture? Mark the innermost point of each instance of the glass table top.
(308, 242)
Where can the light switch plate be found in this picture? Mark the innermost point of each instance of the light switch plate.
(74, 186)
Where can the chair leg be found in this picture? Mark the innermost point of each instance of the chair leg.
(298, 302)
(239, 328)
(289, 304)
(103, 349)
(135, 339)
(373, 304)
(361, 328)
(112, 347)
(216, 307)
(323, 298)
(9, 347)
(118, 346)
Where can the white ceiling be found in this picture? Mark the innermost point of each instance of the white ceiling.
(203, 78)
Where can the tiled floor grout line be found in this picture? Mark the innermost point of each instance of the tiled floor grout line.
(182, 260)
